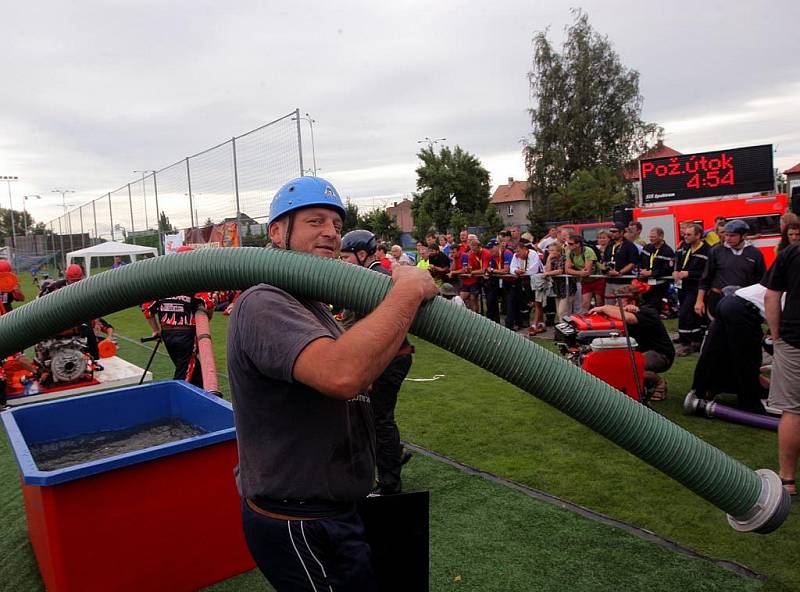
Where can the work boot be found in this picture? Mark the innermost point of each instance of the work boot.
(405, 456)
(380, 490)
(659, 392)
(683, 350)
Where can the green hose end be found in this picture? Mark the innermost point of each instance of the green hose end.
(771, 509)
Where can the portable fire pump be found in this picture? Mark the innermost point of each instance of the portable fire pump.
(598, 344)
(64, 359)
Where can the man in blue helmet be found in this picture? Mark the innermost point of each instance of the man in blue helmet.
(299, 387)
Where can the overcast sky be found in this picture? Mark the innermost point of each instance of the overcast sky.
(92, 90)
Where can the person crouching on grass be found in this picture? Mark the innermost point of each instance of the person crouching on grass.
(652, 339)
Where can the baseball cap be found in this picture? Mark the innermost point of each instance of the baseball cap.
(447, 290)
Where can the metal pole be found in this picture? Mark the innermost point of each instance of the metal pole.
(189, 182)
(236, 190)
(299, 140)
(61, 240)
(111, 216)
(130, 205)
(144, 197)
(25, 216)
(69, 227)
(313, 149)
(94, 215)
(80, 213)
(158, 217)
(13, 231)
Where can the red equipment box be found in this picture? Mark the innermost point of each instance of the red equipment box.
(596, 323)
(610, 361)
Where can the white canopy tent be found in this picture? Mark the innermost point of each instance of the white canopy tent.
(109, 249)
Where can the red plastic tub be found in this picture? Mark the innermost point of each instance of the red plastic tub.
(165, 518)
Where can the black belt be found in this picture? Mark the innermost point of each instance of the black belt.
(297, 508)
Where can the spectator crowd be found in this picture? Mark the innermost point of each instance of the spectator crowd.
(715, 281)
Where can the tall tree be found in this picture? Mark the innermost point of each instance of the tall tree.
(586, 112)
(20, 220)
(351, 219)
(590, 195)
(380, 223)
(164, 224)
(451, 178)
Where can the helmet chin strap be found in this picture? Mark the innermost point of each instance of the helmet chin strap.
(289, 220)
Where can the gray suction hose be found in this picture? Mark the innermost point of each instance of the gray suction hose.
(754, 501)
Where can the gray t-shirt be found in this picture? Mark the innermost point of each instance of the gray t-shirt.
(294, 442)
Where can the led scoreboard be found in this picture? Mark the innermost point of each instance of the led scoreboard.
(706, 174)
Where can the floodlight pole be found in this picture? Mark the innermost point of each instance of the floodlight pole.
(144, 195)
(8, 179)
(25, 210)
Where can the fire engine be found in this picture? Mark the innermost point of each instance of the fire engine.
(733, 183)
(587, 230)
(762, 213)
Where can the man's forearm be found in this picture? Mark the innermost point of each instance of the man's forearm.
(701, 296)
(368, 347)
(772, 312)
(154, 325)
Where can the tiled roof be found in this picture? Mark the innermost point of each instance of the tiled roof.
(508, 192)
(793, 171)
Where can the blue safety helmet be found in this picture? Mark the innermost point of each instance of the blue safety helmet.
(305, 192)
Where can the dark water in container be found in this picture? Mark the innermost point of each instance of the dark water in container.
(90, 447)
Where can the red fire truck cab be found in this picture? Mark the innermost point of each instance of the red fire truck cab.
(587, 230)
(762, 213)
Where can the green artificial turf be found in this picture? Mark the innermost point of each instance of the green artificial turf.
(477, 527)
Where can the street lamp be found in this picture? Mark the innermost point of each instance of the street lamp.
(63, 192)
(25, 209)
(8, 179)
(431, 141)
(144, 195)
(311, 123)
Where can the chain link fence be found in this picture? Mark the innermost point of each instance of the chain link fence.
(231, 182)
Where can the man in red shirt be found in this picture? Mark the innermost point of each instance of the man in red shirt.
(173, 320)
(470, 270)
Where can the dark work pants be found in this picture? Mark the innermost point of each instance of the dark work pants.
(691, 326)
(180, 344)
(655, 296)
(87, 332)
(712, 301)
(512, 306)
(383, 398)
(494, 293)
(307, 555)
(730, 360)
(518, 303)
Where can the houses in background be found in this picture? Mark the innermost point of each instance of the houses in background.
(512, 203)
